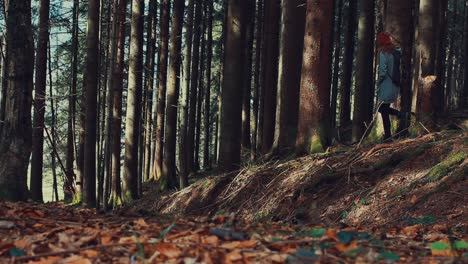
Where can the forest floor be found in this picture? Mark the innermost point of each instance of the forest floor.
(404, 201)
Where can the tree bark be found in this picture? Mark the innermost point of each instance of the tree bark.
(270, 72)
(117, 86)
(231, 102)
(169, 176)
(201, 92)
(399, 22)
(150, 64)
(257, 76)
(132, 126)
(209, 57)
(162, 76)
(289, 80)
(336, 62)
(364, 90)
(345, 95)
(194, 86)
(314, 106)
(183, 145)
(40, 102)
(91, 92)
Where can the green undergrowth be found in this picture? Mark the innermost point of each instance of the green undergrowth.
(445, 167)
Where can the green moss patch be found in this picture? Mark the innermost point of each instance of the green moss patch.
(443, 169)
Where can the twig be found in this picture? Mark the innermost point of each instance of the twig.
(427, 130)
(370, 125)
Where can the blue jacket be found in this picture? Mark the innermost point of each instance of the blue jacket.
(387, 91)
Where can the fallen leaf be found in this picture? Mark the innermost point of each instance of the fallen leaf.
(411, 231)
(347, 247)
(6, 224)
(168, 250)
(278, 258)
(240, 244)
(442, 249)
(128, 240)
(414, 199)
(211, 240)
(331, 234)
(233, 256)
(106, 240)
(48, 260)
(141, 223)
(90, 253)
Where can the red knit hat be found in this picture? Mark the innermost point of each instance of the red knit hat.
(384, 39)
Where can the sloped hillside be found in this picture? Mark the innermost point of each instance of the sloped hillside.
(376, 185)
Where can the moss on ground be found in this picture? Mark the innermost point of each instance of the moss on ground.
(443, 168)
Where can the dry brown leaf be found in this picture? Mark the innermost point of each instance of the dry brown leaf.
(128, 240)
(106, 240)
(331, 234)
(279, 258)
(168, 250)
(347, 247)
(414, 199)
(240, 244)
(48, 260)
(21, 243)
(211, 240)
(431, 237)
(90, 253)
(141, 223)
(411, 231)
(233, 256)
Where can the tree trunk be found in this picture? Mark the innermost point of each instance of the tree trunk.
(270, 73)
(364, 90)
(231, 102)
(150, 64)
(117, 86)
(52, 129)
(399, 22)
(183, 145)
(246, 94)
(209, 57)
(464, 95)
(194, 86)
(91, 91)
(289, 80)
(162, 76)
(132, 126)
(345, 95)
(200, 96)
(336, 62)
(314, 106)
(40, 102)
(257, 75)
(169, 178)
(16, 134)
(427, 99)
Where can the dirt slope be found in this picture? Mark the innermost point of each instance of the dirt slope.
(409, 180)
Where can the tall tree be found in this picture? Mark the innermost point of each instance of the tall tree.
(231, 102)
(69, 190)
(364, 90)
(345, 95)
(247, 92)
(169, 178)
(464, 97)
(336, 60)
(117, 86)
(132, 126)
(209, 58)
(183, 105)
(92, 84)
(150, 64)
(16, 134)
(201, 91)
(162, 78)
(39, 102)
(194, 74)
(270, 72)
(257, 75)
(289, 77)
(314, 114)
(399, 22)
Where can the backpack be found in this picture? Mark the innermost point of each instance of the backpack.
(396, 78)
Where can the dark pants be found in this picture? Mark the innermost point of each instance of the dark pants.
(385, 110)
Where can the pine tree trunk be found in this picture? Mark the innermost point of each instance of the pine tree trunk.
(270, 72)
(247, 92)
(16, 134)
(132, 126)
(364, 90)
(91, 92)
(257, 76)
(169, 176)
(464, 95)
(40, 102)
(336, 62)
(117, 86)
(55, 196)
(314, 106)
(150, 64)
(231, 102)
(209, 57)
(291, 46)
(201, 92)
(162, 76)
(183, 145)
(345, 95)
(399, 22)
(3, 49)
(194, 87)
